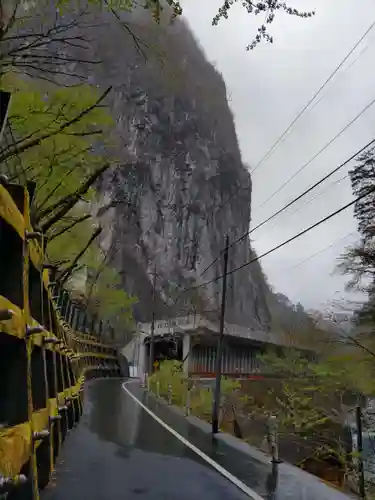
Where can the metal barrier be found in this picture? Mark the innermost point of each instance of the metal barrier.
(44, 359)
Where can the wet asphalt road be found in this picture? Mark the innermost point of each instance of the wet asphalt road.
(119, 452)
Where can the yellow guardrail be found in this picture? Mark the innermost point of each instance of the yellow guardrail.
(64, 357)
(11, 215)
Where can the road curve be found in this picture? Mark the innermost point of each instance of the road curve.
(119, 452)
(249, 466)
(130, 446)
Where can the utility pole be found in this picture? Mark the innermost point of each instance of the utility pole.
(152, 343)
(219, 348)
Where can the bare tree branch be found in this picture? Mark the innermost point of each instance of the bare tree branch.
(69, 201)
(137, 41)
(100, 270)
(62, 278)
(28, 50)
(11, 21)
(69, 226)
(58, 185)
(11, 151)
(344, 336)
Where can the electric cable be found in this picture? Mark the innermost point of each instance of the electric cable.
(326, 146)
(289, 240)
(336, 242)
(294, 200)
(304, 109)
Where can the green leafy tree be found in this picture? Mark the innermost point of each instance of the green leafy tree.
(106, 298)
(312, 400)
(52, 143)
(60, 143)
(309, 400)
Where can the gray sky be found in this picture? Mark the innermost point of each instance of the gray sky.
(267, 88)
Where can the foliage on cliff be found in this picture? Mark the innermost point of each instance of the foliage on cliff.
(58, 138)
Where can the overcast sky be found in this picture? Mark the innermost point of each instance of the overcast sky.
(267, 88)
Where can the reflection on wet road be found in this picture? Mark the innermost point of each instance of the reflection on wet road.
(119, 452)
(281, 482)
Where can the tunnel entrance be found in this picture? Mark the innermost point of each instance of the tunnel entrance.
(166, 347)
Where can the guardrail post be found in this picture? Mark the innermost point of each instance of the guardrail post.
(60, 297)
(72, 314)
(64, 304)
(158, 388)
(221, 410)
(92, 327)
(187, 406)
(100, 333)
(106, 328)
(110, 332)
(76, 319)
(273, 439)
(84, 323)
(169, 394)
(148, 384)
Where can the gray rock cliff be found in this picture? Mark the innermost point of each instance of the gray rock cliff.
(169, 210)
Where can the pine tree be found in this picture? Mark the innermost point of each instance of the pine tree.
(363, 179)
(360, 259)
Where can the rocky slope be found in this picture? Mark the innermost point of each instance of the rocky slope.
(174, 125)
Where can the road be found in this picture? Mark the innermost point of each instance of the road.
(120, 452)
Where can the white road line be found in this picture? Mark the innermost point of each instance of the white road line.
(240, 485)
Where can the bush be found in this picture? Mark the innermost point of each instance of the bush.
(170, 372)
(201, 398)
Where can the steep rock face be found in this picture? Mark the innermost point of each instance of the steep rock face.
(169, 211)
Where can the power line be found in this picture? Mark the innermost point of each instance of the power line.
(330, 186)
(294, 200)
(329, 143)
(308, 190)
(282, 136)
(304, 166)
(279, 140)
(212, 263)
(321, 251)
(289, 240)
(301, 233)
(345, 71)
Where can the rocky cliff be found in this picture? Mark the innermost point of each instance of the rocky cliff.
(169, 210)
